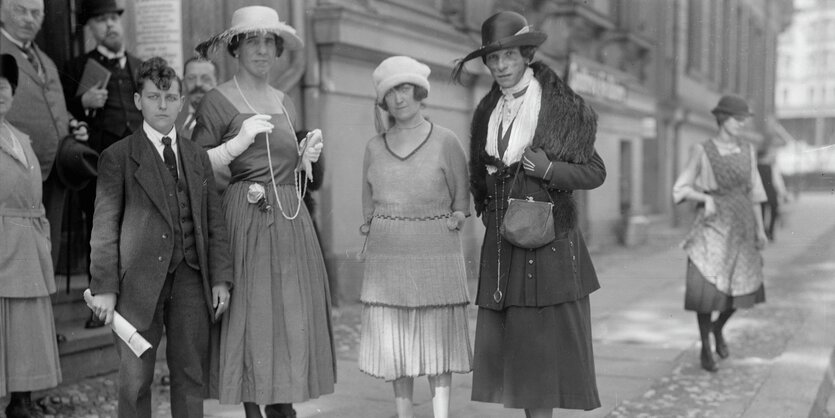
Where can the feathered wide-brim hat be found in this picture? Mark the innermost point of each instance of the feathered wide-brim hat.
(506, 30)
(253, 19)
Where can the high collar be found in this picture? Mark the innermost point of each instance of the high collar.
(110, 54)
(518, 89)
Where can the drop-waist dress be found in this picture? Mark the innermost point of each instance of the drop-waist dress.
(276, 338)
(414, 292)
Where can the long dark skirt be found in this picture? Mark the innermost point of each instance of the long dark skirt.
(536, 357)
(702, 296)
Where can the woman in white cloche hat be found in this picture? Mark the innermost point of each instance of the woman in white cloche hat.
(415, 199)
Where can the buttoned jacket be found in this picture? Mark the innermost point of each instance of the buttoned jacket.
(133, 234)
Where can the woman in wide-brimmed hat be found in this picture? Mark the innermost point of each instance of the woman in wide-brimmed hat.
(724, 267)
(276, 340)
(28, 348)
(532, 138)
(415, 200)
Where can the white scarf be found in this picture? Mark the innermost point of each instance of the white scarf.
(524, 122)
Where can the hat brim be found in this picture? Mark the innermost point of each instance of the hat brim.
(718, 111)
(9, 69)
(76, 163)
(292, 41)
(533, 38)
(85, 17)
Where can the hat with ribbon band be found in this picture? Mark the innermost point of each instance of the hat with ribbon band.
(253, 19)
(506, 30)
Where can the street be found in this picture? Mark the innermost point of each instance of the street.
(646, 345)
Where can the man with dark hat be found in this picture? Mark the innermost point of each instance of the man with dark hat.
(107, 108)
(532, 138)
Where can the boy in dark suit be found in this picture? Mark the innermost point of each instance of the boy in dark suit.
(160, 252)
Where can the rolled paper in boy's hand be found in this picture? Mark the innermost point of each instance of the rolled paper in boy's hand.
(124, 330)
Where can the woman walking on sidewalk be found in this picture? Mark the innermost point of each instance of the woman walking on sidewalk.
(276, 343)
(724, 267)
(532, 139)
(415, 199)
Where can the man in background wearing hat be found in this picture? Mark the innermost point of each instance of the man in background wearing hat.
(40, 111)
(108, 109)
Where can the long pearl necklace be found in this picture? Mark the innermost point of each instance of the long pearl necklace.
(301, 185)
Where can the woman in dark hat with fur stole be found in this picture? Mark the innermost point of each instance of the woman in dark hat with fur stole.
(532, 138)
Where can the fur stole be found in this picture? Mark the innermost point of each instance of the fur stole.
(565, 130)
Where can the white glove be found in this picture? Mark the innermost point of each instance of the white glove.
(251, 127)
(312, 146)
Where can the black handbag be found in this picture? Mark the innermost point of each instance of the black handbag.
(528, 223)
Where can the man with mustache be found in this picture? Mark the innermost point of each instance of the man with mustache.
(199, 76)
(108, 109)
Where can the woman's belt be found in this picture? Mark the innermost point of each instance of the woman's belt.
(413, 218)
(23, 213)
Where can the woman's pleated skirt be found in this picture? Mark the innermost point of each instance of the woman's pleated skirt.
(410, 342)
(702, 296)
(28, 348)
(276, 339)
(536, 357)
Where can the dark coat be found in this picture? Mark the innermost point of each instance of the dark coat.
(107, 125)
(132, 245)
(561, 271)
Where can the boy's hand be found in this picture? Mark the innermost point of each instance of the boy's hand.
(103, 306)
(220, 299)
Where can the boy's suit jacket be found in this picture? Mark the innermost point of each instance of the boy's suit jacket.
(132, 240)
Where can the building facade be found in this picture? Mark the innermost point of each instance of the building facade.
(652, 69)
(805, 89)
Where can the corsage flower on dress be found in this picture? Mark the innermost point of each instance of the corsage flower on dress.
(257, 195)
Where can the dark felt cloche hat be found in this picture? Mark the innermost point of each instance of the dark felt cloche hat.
(733, 105)
(92, 8)
(506, 30)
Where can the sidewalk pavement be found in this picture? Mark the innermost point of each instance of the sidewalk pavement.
(646, 345)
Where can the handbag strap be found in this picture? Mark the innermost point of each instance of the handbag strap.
(525, 187)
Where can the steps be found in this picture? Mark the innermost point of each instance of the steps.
(86, 352)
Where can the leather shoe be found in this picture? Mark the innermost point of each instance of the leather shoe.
(707, 361)
(17, 409)
(280, 411)
(721, 345)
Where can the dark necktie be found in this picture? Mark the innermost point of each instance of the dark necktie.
(168, 157)
(33, 59)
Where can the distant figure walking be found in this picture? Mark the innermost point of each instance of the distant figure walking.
(724, 268)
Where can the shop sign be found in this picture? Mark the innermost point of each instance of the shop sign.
(159, 30)
(587, 80)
